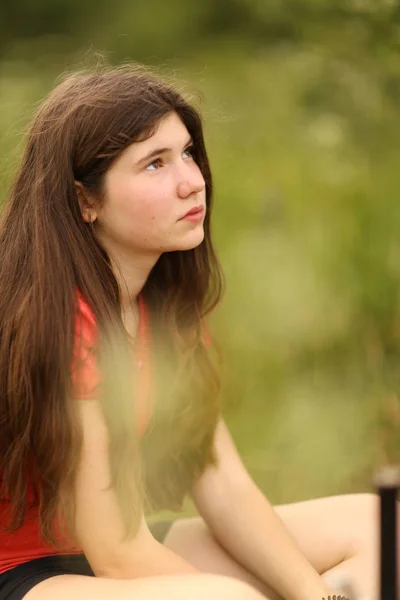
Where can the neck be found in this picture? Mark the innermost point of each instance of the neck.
(131, 269)
(132, 273)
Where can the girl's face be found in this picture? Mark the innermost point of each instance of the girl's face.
(149, 191)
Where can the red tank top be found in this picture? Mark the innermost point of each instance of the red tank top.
(26, 543)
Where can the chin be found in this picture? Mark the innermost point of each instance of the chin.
(189, 242)
(194, 239)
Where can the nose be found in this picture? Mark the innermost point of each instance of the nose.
(191, 181)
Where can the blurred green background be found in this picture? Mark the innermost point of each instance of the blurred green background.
(302, 116)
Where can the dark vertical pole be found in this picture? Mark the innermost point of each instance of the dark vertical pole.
(388, 482)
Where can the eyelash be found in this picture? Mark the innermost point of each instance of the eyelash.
(158, 161)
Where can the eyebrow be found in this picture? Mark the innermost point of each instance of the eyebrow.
(159, 151)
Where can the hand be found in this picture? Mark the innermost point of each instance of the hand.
(340, 584)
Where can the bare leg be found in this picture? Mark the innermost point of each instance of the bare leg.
(337, 534)
(192, 539)
(195, 587)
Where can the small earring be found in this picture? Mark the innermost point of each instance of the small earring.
(90, 221)
(90, 218)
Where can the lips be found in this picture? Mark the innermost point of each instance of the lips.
(194, 211)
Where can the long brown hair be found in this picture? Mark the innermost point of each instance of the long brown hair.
(47, 252)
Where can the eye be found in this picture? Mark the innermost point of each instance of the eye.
(155, 165)
(189, 152)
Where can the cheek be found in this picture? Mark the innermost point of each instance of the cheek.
(143, 205)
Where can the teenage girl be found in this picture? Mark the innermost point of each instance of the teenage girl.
(106, 236)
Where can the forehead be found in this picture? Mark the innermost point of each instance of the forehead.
(170, 133)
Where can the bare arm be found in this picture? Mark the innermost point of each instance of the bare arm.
(245, 523)
(99, 527)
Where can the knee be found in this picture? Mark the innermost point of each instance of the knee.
(365, 506)
(363, 521)
(365, 513)
(359, 508)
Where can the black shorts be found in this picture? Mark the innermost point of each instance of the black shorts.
(17, 582)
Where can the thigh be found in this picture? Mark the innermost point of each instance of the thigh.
(193, 541)
(334, 529)
(171, 587)
(327, 530)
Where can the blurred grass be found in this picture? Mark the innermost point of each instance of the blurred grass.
(305, 157)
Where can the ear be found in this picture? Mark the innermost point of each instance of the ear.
(86, 203)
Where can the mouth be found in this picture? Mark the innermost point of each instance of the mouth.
(195, 214)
